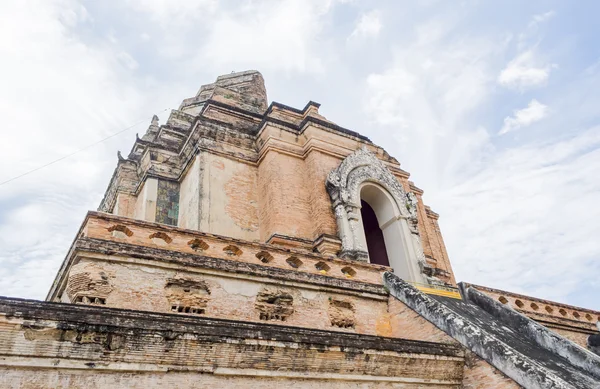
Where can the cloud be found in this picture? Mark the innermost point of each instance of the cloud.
(423, 100)
(523, 72)
(522, 222)
(284, 35)
(512, 213)
(58, 94)
(527, 70)
(534, 112)
(369, 25)
(271, 36)
(537, 19)
(175, 13)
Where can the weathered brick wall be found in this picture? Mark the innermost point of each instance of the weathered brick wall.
(443, 260)
(219, 195)
(240, 193)
(408, 324)
(141, 287)
(68, 379)
(479, 374)
(581, 338)
(57, 346)
(284, 206)
(318, 298)
(88, 280)
(145, 206)
(318, 166)
(125, 205)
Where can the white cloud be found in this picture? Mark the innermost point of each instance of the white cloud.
(128, 60)
(58, 94)
(531, 36)
(424, 97)
(522, 223)
(540, 18)
(271, 36)
(523, 72)
(534, 112)
(207, 34)
(369, 25)
(175, 13)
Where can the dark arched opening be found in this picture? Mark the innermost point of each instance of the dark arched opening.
(373, 235)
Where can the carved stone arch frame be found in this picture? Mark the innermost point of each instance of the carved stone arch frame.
(344, 186)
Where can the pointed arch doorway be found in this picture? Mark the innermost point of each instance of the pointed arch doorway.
(361, 179)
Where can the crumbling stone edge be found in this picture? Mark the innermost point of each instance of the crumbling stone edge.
(518, 367)
(545, 338)
(115, 320)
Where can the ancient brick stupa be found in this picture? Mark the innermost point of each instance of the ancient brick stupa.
(247, 244)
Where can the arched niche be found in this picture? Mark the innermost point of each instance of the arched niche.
(363, 177)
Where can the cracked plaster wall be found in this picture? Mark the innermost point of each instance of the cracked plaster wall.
(219, 196)
(145, 206)
(189, 196)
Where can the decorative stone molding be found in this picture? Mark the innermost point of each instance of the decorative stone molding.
(327, 245)
(341, 313)
(344, 185)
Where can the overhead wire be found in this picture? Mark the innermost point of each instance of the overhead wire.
(77, 151)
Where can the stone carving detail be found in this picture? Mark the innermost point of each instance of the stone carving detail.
(343, 185)
(411, 206)
(341, 313)
(187, 296)
(274, 304)
(88, 284)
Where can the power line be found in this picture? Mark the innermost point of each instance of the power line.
(75, 152)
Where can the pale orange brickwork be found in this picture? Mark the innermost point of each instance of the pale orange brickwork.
(407, 324)
(125, 349)
(479, 374)
(284, 204)
(318, 165)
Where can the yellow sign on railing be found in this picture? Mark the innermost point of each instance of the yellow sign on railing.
(438, 290)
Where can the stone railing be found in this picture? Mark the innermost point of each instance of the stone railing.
(141, 233)
(535, 306)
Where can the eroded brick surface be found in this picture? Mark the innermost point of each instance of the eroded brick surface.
(104, 347)
(479, 374)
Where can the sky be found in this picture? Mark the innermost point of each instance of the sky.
(491, 106)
